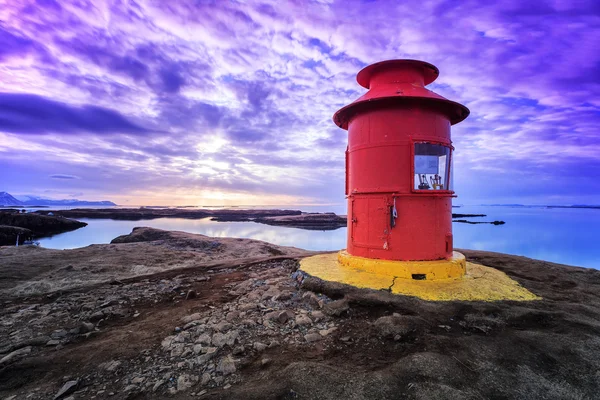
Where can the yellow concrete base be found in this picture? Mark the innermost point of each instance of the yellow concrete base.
(480, 283)
(456, 267)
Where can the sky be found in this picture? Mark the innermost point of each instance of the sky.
(231, 102)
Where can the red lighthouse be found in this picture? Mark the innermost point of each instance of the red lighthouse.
(399, 190)
(399, 165)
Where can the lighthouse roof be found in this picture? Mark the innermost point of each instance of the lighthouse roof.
(400, 81)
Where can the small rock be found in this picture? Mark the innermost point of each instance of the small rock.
(86, 327)
(205, 379)
(167, 342)
(272, 316)
(220, 339)
(265, 361)
(204, 339)
(190, 318)
(191, 294)
(97, 316)
(303, 320)
(208, 355)
(312, 299)
(285, 295)
(66, 389)
(395, 325)
(20, 352)
(137, 380)
(75, 331)
(177, 349)
(248, 306)
(232, 316)
(239, 350)
(317, 315)
(227, 386)
(285, 316)
(337, 307)
(312, 337)
(223, 326)
(110, 366)
(59, 334)
(185, 381)
(326, 332)
(197, 348)
(226, 366)
(53, 342)
(157, 385)
(271, 293)
(259, 346)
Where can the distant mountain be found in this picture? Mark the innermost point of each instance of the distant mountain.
(7, 200)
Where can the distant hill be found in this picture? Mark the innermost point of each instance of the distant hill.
(7, 200)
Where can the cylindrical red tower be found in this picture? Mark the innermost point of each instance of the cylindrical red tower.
(398, 164)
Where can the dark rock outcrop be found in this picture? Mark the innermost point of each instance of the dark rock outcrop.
(136, 214)
(8, 234)
(464, 221)
(35, 225)
(291, 218)
(316, 221)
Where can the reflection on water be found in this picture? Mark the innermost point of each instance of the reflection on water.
(104, 230)
(567, 236)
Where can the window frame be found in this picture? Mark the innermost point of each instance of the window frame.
(448, 167)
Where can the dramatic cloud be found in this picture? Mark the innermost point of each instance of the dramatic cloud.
(26, 113)
(62, 176)
(223, 101)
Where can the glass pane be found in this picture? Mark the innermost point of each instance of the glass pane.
(432, 169)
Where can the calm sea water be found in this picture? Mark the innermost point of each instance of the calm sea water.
(568, 236)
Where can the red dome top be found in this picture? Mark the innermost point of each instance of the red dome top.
(401, 81)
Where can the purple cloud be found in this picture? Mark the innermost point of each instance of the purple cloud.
(64, 176)
(31, 114)
(182, 99)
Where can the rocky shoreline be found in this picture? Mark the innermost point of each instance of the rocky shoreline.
(291, 218)
(26, 225)
(465, 221)
(309, 221)
(275, 217)
(160, 314)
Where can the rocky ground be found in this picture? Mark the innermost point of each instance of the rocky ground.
(210, 324)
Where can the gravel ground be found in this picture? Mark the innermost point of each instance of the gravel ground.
(208, 324)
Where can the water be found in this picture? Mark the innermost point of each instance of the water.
(567, 236)
(104, 230)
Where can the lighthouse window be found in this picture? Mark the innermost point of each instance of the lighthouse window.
(432, 167)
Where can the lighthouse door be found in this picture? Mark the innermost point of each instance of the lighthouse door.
(369, 221)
